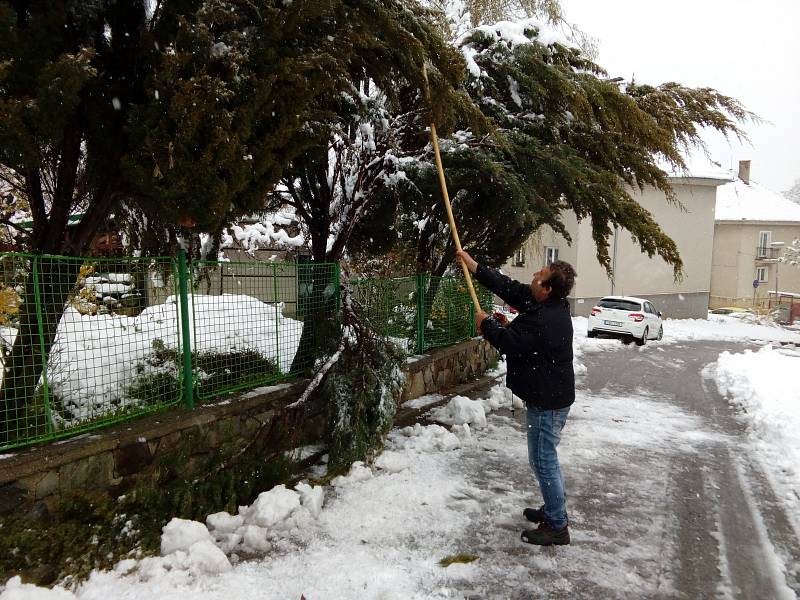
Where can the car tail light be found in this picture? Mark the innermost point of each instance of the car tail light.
(596, 310)
(638, 317)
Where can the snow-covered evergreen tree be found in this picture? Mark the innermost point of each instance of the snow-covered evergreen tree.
(182, 113)
(793, 193)
(565, 137)
(791, 253)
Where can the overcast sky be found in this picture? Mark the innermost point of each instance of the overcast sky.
(746, 49)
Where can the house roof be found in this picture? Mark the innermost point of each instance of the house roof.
(739, 201)
(698, 167)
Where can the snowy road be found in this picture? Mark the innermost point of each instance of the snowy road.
(666, 501)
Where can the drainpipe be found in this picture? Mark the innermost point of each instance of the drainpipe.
(614, 260)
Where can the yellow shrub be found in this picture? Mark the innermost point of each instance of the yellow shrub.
(9, 305)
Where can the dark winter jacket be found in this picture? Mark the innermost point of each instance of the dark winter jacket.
(537, 344)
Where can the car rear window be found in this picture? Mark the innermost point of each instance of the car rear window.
(619, 304)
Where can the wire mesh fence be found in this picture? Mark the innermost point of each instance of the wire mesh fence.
(85, 342)
(391, 307)
(421, 312)
(258, 322)
(449, 315)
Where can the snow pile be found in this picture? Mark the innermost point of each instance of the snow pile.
(763, 385)
(97, 359)
(433, 438)
(377, 536)
(358, 472)
(231, 322)
(180, 534)
(16, 590)
(460, 411)
(275, 514)
(501, 397)
(724, 328)
(188, 545)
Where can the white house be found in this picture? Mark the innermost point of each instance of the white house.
(634, 273)
(752, 226)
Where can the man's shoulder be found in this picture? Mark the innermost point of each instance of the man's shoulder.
(557, 312)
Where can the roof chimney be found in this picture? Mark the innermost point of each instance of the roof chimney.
(744, 171)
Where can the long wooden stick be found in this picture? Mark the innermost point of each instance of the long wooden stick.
(446, 196)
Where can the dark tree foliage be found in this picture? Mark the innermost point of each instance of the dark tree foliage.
(349, 163)
(180, 118)
(566, 137)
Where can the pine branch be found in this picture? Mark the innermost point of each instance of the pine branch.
(8, 223)
(315, 383)
(348, 320)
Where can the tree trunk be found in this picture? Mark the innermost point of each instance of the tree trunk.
(23, 413)
(320, 325)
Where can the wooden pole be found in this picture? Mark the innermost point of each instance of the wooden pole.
(446, 196)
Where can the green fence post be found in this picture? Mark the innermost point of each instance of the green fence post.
(277, 317)
(420, 314)
(186, 341)
(473, 330)
(40, 324)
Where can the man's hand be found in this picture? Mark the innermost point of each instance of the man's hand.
(466, 259)
(479, 317)
(501, 318)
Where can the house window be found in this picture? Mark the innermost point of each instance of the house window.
(764, 240)
(519, 257)
(550, 255)
(761, 274)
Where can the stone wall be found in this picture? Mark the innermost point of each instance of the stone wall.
(111, 461)
(447, 367)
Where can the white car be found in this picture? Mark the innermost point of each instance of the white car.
(626, 316)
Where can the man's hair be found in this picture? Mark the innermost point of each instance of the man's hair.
(562, 278)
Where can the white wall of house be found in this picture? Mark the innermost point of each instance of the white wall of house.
(535, 251)
(691, 225)
(738, 261)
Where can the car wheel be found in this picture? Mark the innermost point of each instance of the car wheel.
(643, 340)
(591, 333)
(660, 332)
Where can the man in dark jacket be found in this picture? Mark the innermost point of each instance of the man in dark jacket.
(538, 349)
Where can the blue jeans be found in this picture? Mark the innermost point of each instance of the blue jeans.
(544, 434)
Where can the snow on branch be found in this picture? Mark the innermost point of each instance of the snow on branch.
(791, 254)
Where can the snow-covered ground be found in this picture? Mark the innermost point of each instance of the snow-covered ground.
(716, 327)
(764, 387)
(380, 532)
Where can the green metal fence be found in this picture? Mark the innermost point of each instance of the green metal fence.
(87, 342)
(257, 322)
(449, 315)
(421, 312)
(392, 307)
